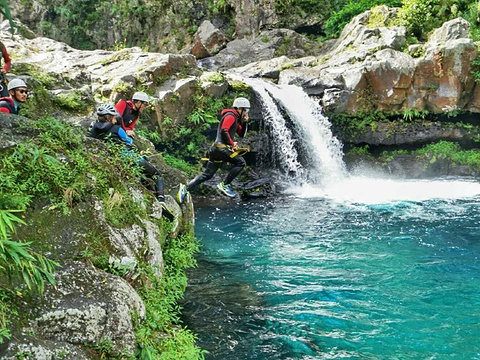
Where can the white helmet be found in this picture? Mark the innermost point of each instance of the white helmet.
(241, 102)
(140, 96)
(16, 83)
(106, 109)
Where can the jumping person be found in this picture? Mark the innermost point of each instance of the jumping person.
(18, 92)
(234, 121)
(5, 69)
(130, 110)
(107, 129)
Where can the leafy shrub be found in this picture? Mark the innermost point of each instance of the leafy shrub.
(422, 16)
(335, 24)
(417, 16)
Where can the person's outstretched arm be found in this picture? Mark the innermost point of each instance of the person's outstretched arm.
(8, 61)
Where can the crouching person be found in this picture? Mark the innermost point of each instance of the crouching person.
(107, 129)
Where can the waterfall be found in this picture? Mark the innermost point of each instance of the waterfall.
(311, 157)
(320, 162)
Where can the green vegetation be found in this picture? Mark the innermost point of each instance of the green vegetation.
(352, 125)
(71, 101)
(360, 150)
(476, 69)
(419, 16)
(451, 151)
(216, 77)
(5, 11)
(179, 164)
(187, 141)
(441, 150)
(157, 337)
(55, 166)
(283, 49)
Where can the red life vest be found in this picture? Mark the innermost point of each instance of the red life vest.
(129, 114)
(7, 103)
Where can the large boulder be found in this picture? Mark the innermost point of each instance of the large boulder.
(208, 41)
(172, 94)
(365, 34)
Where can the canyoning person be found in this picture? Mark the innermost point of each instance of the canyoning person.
(233, 121)
(18, 92)
(130, 110)
(107, 129)
(7, 62)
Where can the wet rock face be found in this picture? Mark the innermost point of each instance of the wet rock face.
(413, 134)
(409, 167)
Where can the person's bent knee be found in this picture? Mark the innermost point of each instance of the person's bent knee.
(207, 176)
(240, 161)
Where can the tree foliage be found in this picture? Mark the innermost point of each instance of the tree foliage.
(422, 16)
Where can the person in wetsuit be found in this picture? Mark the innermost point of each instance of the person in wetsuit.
(107, 129)
(18, 92)
(234, 121)
(130, 111)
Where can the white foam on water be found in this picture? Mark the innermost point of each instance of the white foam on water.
(365, 190)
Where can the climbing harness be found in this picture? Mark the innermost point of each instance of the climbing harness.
(236, 151)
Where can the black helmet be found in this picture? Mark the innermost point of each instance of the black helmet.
(106, 109)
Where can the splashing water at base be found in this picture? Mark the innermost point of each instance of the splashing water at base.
(365, 190)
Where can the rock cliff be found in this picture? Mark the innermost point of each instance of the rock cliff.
(104, 229)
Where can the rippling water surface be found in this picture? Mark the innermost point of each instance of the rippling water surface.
(314, 278)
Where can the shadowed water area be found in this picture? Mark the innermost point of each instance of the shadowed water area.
(313, 278)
